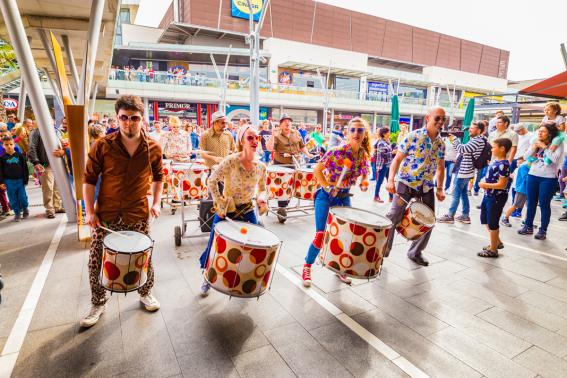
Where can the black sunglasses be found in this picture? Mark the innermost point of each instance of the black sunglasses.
(439, 118)
(359, 130)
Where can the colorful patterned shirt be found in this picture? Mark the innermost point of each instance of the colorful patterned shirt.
(333, 161)
(497, 169)
(175, 144)
(383, 153)
(422, 155)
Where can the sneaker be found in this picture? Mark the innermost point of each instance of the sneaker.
(26, 214)
(446, 219)
(306, 275)
(505, 222)
(541, 235)
(205, 287)
(93, 316)
(557, 197)
(517, 213)
(17, 218)
(50, 215)
(378, 199)
(344, 278)
(465, 219)
(526, 230)
(60, 211)
(564, 204)
(150, 302)
(563, 217)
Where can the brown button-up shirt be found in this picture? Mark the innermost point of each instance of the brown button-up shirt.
(292, 144)
(125, 179)
(217, 144)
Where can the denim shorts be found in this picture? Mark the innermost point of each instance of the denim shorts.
(491, 210)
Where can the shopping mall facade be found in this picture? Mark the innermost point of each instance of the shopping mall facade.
(305, 47)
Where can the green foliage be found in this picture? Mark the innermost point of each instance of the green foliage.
(7, 58)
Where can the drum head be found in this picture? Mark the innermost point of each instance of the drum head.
(135, 242)
(423, 214)
(361, 217)
(280, 169)
(305, 170)
(255, 237)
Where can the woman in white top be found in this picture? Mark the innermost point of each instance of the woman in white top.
(450, 159)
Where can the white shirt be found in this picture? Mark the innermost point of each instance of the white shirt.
(523, 144)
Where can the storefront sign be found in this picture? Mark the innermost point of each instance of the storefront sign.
(232, 108)
(240, 9)
(285, 78)
(10, 104)
(377, 87)
(178, 106)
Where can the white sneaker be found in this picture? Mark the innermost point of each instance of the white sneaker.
(205, 287)
(150, 302)
(344, 278)
(93, 316)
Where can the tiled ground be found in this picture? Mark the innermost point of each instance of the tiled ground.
(462, 316)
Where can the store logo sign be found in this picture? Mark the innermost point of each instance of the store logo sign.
(10, 104)
(240, 9)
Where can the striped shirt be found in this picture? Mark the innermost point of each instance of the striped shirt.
(469, 151)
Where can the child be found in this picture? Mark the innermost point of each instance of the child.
(495, 187)
(13, 177)
(521, 193)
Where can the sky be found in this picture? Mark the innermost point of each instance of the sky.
(531, 30)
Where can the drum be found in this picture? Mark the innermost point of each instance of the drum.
(417, 221)
(242, 265)
(166, 164)
(125, 261)
(305, 184)
(279, 182)
(354, 242)
(189, 180)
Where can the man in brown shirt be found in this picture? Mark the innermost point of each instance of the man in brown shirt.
(217, 141)
(286, 143)
(125, 161)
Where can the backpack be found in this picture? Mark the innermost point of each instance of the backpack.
(485, 156)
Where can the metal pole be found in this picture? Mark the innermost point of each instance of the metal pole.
(22, 100)
(71, 62)
(54, 88)
(93, 101)
(85, 83)
(19, 42)
(564, 54)
(47, 47)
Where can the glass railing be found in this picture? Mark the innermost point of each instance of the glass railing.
(196, 80)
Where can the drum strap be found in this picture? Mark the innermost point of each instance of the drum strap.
(242, 209)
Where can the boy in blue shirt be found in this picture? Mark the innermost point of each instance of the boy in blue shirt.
(14, 176)
(495, 187)
(521, 193)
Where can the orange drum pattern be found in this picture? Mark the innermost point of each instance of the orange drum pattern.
(305, 184)
(418, 220)
(166, 164)
(239, 269)
(354, 248)
(279, 182)
(189, 180)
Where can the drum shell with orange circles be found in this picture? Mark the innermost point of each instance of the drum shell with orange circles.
(189, 180)
(279, 182)
(166, 166)
(305, 184)
(354, 248)
(238, 269)
(410, 227)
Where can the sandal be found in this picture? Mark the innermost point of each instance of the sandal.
(500, 246)
(488, 253)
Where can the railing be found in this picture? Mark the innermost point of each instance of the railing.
(198, 80)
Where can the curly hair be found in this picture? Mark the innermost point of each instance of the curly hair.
(129, 102)
(366, 140)
(555, 106)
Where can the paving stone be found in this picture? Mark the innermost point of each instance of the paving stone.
(303, 354)
(266, 312)
(543, 362)
(433, 360)
(531, 332)
(536, 270)
(262, 362)
(483, 359)
(355, 354)
(456, 300)
(205, 360)
(545, 303)
(350, 302)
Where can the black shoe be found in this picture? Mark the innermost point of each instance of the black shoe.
(60, 211)
(419, 260)
(563, 217)
(50, 216)
(26, 214)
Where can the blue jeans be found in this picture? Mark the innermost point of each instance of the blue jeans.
(479, 177)
(448, 173)
(540, 189)
(16, 195)
(322, 204)
(249, 217)
(460, 193)
(382, 174)
(374, 174)
(266, 157)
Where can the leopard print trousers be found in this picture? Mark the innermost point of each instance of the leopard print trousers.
(98, 293)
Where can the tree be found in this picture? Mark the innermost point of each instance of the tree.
(7, 63)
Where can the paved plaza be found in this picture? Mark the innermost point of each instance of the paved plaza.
(462, 316)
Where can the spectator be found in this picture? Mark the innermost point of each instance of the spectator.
(302, 131)
(265, 134)
(450, 159)
(194, 136)
(493, 121)
(524, 139)
(96, 132)
(14, 177)
(383, 159)
(176, 143)
(317, 136)
(22, 135)
(112, 127)
(521, 196)
(402, 133)
(337, 137)
(11, 121)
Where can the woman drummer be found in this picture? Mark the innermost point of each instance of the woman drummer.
(327, 172)
(241, 174)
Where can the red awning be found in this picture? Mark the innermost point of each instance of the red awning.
(555, 86)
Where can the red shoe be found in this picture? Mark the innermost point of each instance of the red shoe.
(378, 199)
(306, 275)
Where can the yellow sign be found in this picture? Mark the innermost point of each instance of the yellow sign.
(240, 9)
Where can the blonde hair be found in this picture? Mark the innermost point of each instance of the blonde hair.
(555, 106)
(366, 140)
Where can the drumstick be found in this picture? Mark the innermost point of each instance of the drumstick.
(115, 232)
(347, 164)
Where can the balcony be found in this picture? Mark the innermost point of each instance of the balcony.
(198, 88)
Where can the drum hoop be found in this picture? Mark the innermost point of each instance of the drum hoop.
(248, 244)
(358, 223)
(430, 209)
(151, 247)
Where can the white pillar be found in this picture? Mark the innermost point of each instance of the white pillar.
(71, 61)
(411, 122)
(332, 119)
(19, 42)
(374, 122)
(22, 100)
(87, 74)
(146, 110)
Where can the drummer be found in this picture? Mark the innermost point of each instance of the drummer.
(420, 157)
(176, 142)
(124, 161)
(217, 142)
(286, 143)
(241, 174)
(327, 171)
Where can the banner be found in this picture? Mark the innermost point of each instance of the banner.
(10, 103)
(240, 9)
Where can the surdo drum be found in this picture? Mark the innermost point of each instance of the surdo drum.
(125, 261)
(305, 184)
(279, 182)
(354, 242)
(418, 220)
(189, 180)
(242, 265)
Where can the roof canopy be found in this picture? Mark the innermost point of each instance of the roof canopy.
(555, 86)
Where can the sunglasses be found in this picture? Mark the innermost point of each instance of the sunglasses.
(359, 130)
(133, 118)
(252, 138)
(439, 118)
